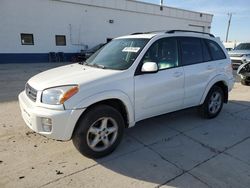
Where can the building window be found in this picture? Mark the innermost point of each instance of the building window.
(60, 40)
(27, 39)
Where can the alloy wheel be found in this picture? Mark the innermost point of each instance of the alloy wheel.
(215, 102)
(102, 134)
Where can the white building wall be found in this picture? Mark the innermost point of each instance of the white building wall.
(85, 22)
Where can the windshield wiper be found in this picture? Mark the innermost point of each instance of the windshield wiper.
(82, 62)
(92, 65)
(99, 66)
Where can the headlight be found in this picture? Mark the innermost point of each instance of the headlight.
(58, 95)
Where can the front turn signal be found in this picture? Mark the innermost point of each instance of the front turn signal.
(68, 94)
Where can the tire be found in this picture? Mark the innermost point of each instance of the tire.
(212, 107)
(99, 131)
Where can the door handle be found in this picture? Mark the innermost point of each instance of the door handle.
(177, 74)
(210, 67)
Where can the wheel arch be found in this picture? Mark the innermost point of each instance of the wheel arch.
(115, 103)
(117, 99)
(218, 81)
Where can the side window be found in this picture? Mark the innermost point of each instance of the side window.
(191, 50)
(216, 51)
(205, 51)
(164, 52)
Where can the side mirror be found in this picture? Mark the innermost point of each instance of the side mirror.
(149, 67)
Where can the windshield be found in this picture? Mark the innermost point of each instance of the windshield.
(119, 54)
(243, 46)
(96, 47)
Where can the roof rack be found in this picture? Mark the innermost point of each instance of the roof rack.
(148, 32)
(137, 33)
(173, 31)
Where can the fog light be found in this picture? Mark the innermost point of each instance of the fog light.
(46, 124)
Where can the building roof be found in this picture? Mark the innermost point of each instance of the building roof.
(164, 6)
(144, 8)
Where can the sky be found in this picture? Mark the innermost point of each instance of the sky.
(240, 23)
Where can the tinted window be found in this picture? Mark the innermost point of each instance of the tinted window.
(164, 52)
(243, 46)
(206, 54)
(191, 50)
(216, 51)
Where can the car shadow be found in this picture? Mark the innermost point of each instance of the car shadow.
(141, 161)
(137, 157)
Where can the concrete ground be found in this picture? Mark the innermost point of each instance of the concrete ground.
(175, 150)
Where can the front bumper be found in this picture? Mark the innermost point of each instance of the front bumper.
(63, 121)
(237, 60)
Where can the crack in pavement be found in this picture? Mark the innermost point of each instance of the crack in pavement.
(217, 154)
(228, 154)
(55, 180)
(172, 179)
(188, 171)
(199, 179)
(151, 149)
(214, 150)
(163, 158)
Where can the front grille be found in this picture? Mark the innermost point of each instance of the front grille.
(236, 62)
(30, 92)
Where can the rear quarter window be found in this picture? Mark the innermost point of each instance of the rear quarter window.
(215, 50)
(206, 54)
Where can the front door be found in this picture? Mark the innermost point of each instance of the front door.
(161, 92)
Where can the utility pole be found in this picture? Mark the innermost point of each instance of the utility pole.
(161, 5)
(229, 22)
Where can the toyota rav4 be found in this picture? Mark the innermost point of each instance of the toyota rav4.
(131, 78)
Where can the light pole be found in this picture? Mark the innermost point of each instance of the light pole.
(228, 26)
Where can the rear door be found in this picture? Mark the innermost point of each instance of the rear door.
(198, 68)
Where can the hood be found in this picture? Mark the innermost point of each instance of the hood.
(239, 52)
(68, 75)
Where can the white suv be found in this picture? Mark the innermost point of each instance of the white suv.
(131, 78)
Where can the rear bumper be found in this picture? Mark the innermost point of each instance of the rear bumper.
(63, 121)
(231, 84)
